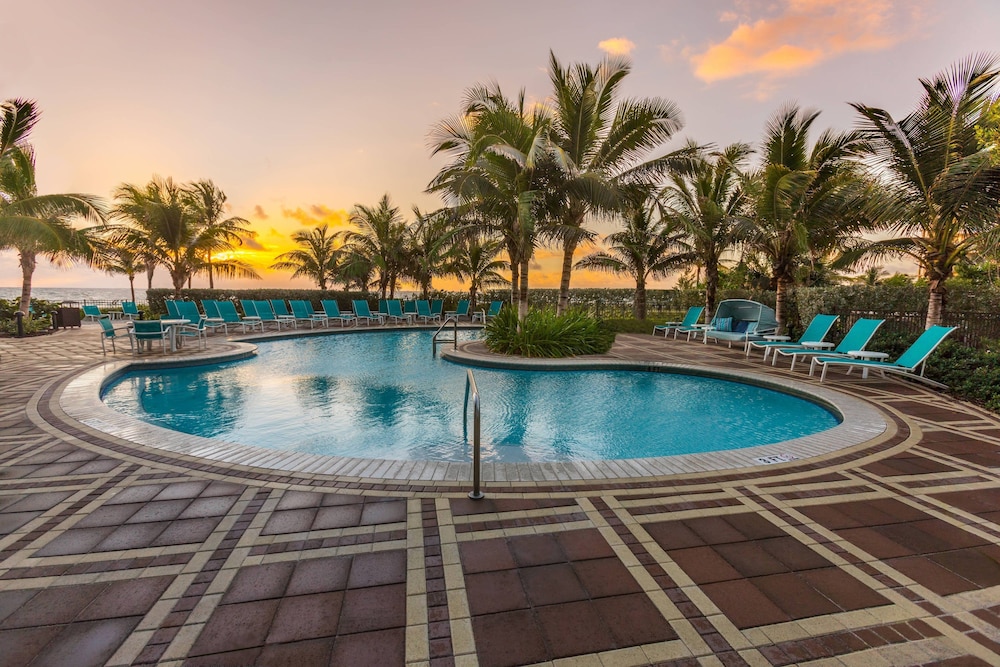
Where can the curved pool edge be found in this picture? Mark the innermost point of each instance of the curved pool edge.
(80, 399)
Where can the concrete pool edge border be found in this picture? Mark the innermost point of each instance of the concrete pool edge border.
(80, 400)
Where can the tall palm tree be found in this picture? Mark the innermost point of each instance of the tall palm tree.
(477, 261)
(34, 224)
(805, 201)
(943, 186)
(650, 246)
(380, 240)
(706, 196)
(316, 258)
(17, 118)
(216, 232)
(498, 148)
(597, 139)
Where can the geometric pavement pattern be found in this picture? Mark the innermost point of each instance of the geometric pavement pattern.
(112, 554)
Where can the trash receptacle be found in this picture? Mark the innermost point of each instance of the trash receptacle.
(68, 314)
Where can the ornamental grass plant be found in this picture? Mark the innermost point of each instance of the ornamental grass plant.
(547, 335)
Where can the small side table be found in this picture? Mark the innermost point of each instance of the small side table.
(777, 338)
(818, 345)
(868, 355)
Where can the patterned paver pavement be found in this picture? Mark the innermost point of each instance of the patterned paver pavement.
(883, 554)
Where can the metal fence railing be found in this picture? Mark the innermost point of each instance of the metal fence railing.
(975, 329)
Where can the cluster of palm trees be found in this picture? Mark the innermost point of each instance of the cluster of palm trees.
(525, 175)
(181, 228)
(383, 249)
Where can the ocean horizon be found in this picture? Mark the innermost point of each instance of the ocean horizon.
(78, 294)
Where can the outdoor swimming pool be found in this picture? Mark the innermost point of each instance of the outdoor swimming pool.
(381, 395)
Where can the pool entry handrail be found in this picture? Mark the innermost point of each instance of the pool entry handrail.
(453, 340)
(470, 386)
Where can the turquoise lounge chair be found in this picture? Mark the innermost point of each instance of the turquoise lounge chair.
(395, 311)
(332, 310)
(485, 315)
(363, 312)
(129, 310)
(907, 363)
(172, 311)
(410, 307)
(424, 311)
(437, 308)
(146, 331)
(856, 339)
(814, 333)
(690, 319)
(300, 309)
(249, 309)
(267, 315)
(110, 332)
(281, 311)
(227, 311)
(197, 330)
(462, 310)
(188, 310)
(92, 312)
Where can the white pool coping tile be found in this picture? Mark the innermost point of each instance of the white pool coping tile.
(862, 422)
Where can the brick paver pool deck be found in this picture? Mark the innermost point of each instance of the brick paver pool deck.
(885, 553)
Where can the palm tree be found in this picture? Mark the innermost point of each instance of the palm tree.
(942, 185)
(162, 227)
(120, 259)
(380, 240)
(805, 202)
(498, 148)
(34, 224)
(17, 117)
(317, 258)
(217, 234)
(650, 246)
(597, 141)
(706, 196)
(476, 260)
(428, 244)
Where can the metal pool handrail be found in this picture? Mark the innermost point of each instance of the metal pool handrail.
(470, 384)
(453, 340)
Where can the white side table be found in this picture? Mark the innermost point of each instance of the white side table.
(773, 338)
(868, 355)
(818, 345)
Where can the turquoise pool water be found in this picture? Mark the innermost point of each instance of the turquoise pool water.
(382, 395)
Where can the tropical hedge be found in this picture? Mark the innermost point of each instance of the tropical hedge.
(544, 334)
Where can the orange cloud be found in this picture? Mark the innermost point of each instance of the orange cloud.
(258, 211)
(617, 46)
(318, 214)
(802, 34)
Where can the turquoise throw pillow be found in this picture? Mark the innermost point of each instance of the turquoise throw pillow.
(724, 324)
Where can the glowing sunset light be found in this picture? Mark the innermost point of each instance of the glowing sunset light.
(297, 127)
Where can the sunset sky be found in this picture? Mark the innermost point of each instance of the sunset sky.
(300, 110)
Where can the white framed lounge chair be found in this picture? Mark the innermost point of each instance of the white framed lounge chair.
(907, 364)
(857, 338)
(814, 333)
(691, 318)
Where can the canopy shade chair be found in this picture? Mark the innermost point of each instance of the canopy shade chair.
(907, 364)
(741, 320)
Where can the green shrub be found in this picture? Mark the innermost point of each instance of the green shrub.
(545, 334)
(637, 326)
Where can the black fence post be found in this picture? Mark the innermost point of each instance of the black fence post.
(20, 324)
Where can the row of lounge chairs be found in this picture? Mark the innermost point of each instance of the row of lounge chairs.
(850, 352)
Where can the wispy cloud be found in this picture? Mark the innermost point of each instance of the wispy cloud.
(318, 214)
(617, 46)
(253, 244)
(259, 212)
(799, 34)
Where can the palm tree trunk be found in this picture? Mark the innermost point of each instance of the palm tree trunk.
(639, 305)
(211, 277)
(522, 293)
(780, 296)
(569, 248)
(935, 303)
(711, 287)
(149, 275)
(131, 286)
(27, 260)
(515, 280)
